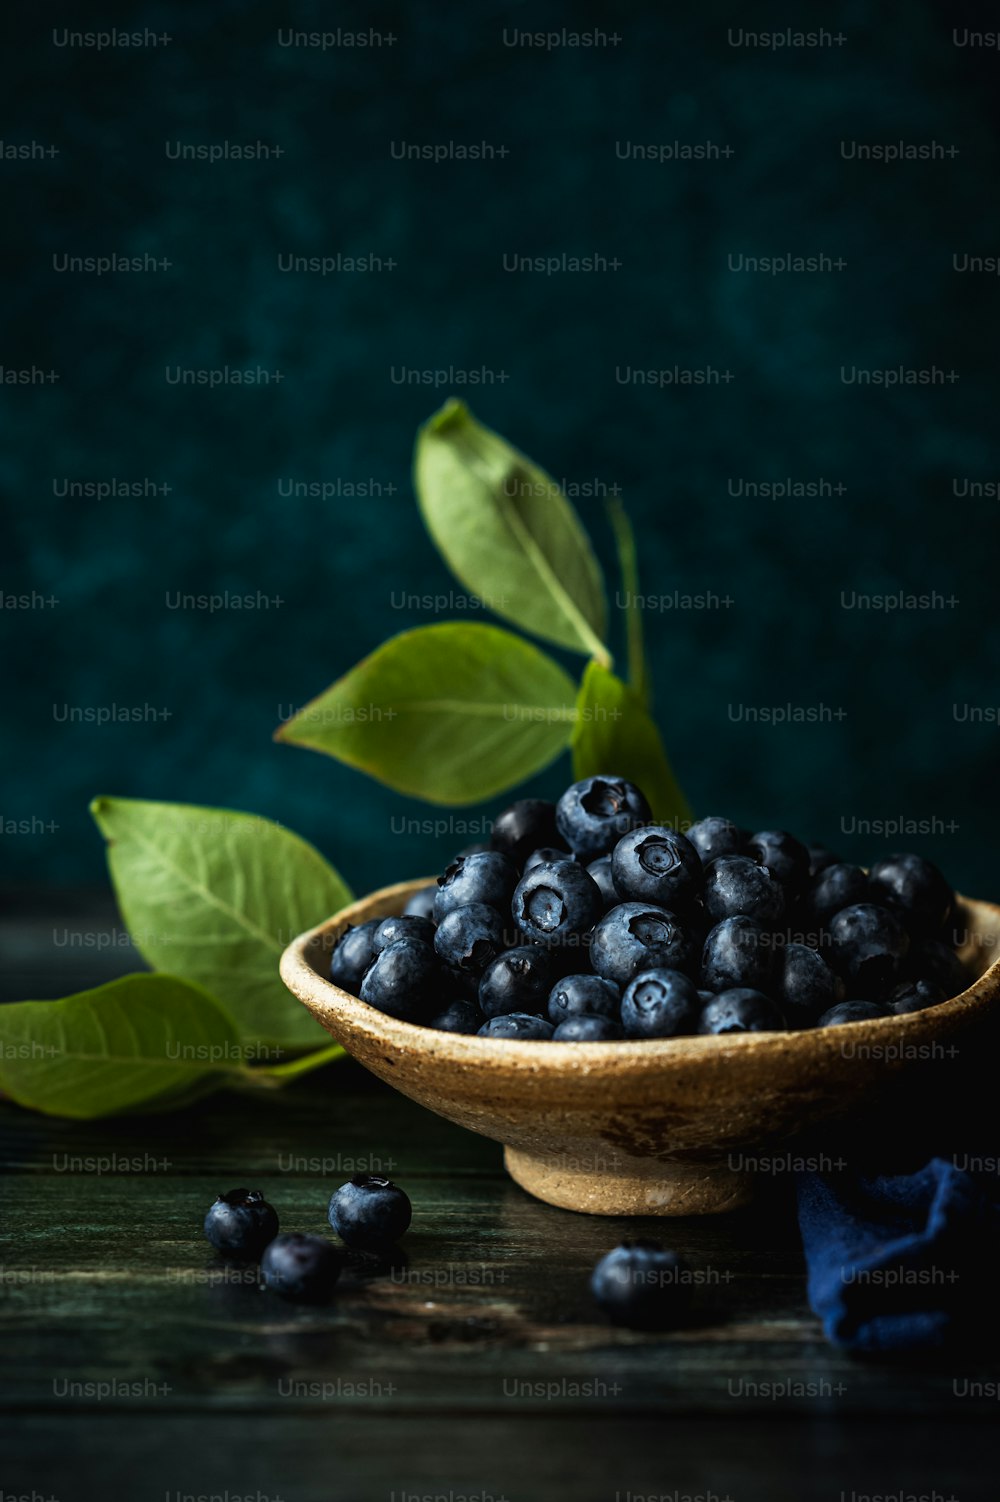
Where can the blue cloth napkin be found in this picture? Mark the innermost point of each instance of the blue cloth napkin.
(902, 1262)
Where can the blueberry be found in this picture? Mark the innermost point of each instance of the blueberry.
(916, 890)
(852, 1011)
(637, 936)
(544, 856)
(784, 856)
(642, 1285)
(837, 886)
(527, 825)
(600, 870)
(353, 954)
(737, 952)
(489, 877)
(470, 938)
(915, 996)
(369, 1211)
(715, 836)
(583, 996)
(459, 1016)
(587, 1029)
(241, 1223)
(301, 1268)
(403, 980)
(807, 986)
(736, 886)
(592, 815)
(519, 980)
(935, 962)
(556, 901)
(742, 1011)
(408, 926)
(660, 1004)
(869, 945)
(654, 864)
(820, 858)
(421, 904)
(523, 1025)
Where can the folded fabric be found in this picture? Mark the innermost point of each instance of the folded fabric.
(901, 1262)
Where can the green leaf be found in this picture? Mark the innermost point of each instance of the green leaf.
(614, 733)
(452, 713)
(628, 562)
(506, 530)
(141, 1043)
(215, 896)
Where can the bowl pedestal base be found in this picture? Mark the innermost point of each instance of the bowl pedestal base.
(629, 1186)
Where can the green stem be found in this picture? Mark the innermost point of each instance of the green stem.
(278, 1074)
(629, 565)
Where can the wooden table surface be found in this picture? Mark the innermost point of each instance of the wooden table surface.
(135, 1364)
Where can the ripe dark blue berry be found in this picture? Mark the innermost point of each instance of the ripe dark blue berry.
(655, 864)
(241, 1223)
(735, 886)
(459, 1016)
(714, 836)
(408, 926)
(806, 986)
(583, 996)
(519, 980)
(521, 1025)
(470, 938)
(737, 952)
(554, 902)
(489, 877)
(784, 856)
(527, 825)
(868, 947)
(353, 954)
(369, 1211)
(587, 1030)
(741, 1011)
(916, 890)
(592, 815)
(852, 1011)
(638, 936)
(837, 886)
(600, 870)
(301, 1268)
(403, 981)
(421, 904)
(915, 996)
(545, 855)
(936, 962)
(642, 1285)
(660, 1004)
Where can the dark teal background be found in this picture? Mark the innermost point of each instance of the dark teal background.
(898, 752)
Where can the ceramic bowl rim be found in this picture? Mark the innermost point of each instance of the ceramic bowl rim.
(328, 1001)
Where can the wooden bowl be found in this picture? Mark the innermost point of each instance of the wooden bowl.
(635, 1128)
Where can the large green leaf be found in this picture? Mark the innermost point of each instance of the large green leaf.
(506, 530)
(215, 896)
(615, 734)
(139, 1043)
(452, 713)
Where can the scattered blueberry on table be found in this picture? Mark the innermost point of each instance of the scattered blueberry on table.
(369, 1212)
(301, 1268)
(642, 1285)
(585, 921)
(241, 1223)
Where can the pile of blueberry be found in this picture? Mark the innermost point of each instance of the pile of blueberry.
(584, 921)
(369, 1213)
